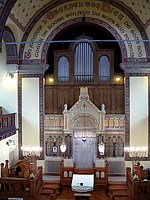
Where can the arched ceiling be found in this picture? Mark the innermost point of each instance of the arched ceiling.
(23, 11)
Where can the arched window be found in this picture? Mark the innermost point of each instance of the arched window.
(83, 62)
(104, 68)
(63, 69)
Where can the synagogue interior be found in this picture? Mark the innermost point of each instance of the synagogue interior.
(74, 99)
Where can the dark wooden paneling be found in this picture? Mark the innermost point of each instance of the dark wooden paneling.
(76, 94)
(106, 98)
(61, 100)
(113, 103)
(48, 100)
(111, 96)
(91, 94)
(71, 97)
(96, 98)
(118, 100)
(55, 100)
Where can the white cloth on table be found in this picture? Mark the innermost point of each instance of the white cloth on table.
(82, 182)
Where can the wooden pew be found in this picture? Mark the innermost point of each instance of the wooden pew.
(27, 188)
(137, 189)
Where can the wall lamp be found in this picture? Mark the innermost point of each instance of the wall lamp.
(11, 69)
(11, 75)
(63, 147)
(118, 79)
(49, 79)
(10, 143)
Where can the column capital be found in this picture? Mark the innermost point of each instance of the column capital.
(32, 69)
(135, 67)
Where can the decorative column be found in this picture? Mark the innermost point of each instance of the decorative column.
(97, 143)
(30, 105)
(103, 112)
(65, 113)
(69, 146)
(137, 92)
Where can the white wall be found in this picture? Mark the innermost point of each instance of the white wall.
(8, 87)
(9, 102)
(30, 112)
(139, 111)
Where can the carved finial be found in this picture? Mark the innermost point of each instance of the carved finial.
(65, 107)
(84, 90)
(103, 108)
(84, 93)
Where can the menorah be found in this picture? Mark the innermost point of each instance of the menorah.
(31, 154)
(31, 151)
(135, 155)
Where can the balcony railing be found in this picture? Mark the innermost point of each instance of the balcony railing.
(7, 125)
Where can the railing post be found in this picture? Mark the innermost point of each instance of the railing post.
(2, 169)
(32, 187)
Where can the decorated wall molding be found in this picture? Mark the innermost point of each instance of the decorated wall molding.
(33, 69)
(136, 67)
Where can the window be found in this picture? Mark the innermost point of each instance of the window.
(104, 68)
(63, 69)
(83, 62)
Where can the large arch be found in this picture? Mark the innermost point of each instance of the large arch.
(8, 5)
(45, 24)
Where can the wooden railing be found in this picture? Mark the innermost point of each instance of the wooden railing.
(66, 173)
(7, 125)
(28, 189)
(100, 174)
(137, 189)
